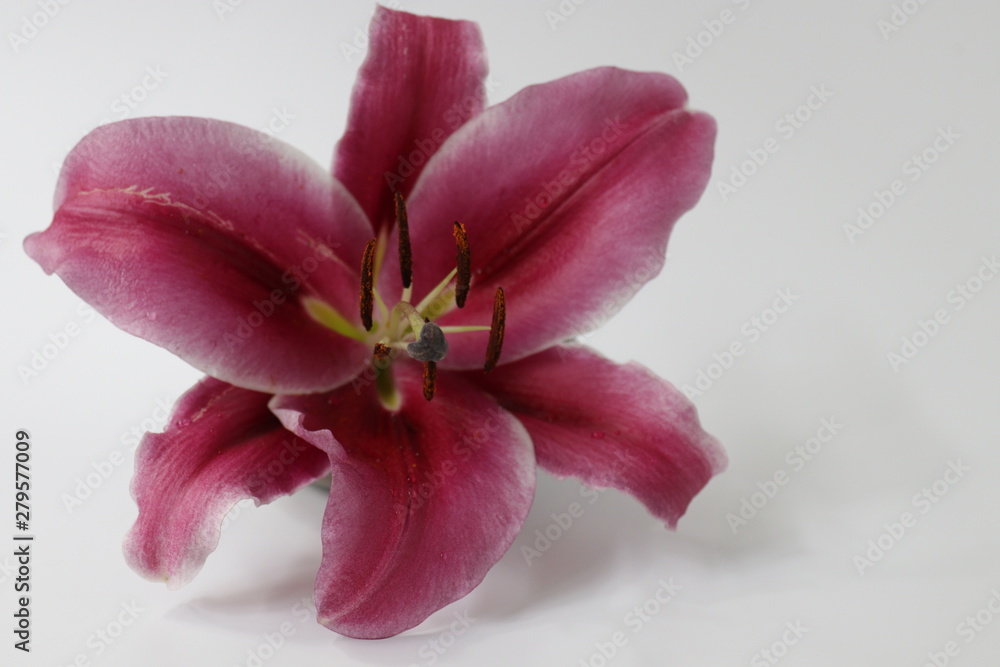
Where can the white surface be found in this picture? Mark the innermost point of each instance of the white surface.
(826, 357)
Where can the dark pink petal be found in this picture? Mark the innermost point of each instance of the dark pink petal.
(422, 79)
(202, 236)
(568, 191)
(423, 501)
(222, 445)
(610, 426)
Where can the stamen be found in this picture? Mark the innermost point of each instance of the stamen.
(328, 316)
(496, 331)
(464, 329)
(381, 352)
(430, 379)
(367, 285)
(464, 265)
(405, 253)
(438, 300)
(383, 310)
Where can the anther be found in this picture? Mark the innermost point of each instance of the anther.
(381, 352)
(405, 253)
(496, 331)
(430, 379)
(368, 285)
(464, 275)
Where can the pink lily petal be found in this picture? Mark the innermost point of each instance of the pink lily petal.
(222, 445)
(201, 236)
(610, 426)
(568, 191)
(422, 79)
(423, 501)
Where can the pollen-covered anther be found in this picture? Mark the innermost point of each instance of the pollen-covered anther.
(367, 298)
(430, 379)
(405, 252)
(464, 263)
(497, 326)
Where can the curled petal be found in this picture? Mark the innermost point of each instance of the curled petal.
(422, 79)
(222, 445)
(568, 191)
(610, 426)
(203, 237)
(423, 501)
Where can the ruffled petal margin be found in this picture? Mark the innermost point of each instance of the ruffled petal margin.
(423, 501)
(609, 425)
(222, 445)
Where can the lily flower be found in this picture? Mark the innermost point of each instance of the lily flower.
(397, 323)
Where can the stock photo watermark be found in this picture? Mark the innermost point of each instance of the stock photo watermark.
(562, 522)
(579, 164)
(358, 45)
(967, 630)
(454, 117)
(912, 169)
(957, 298)
(125, 104)
(32, 24)
(796, 459)
(102, 469)
(701, 41)
(635, 620)
(778, 649)
(642, 268)
(433, 480)
(215, 183)
(292, 280)
(23, 540)
(218, 182)
(271, 642)
(8, 569)
(562, 12)
(42, 356)
(223, 8)
(121, 106)
(899, 16)
(922, 503)
(751, 331)
(432, 649)
(101, 639)
(787, 126)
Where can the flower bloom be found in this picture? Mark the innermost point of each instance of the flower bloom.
(345, 319)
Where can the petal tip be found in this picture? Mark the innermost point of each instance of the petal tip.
(36, 247)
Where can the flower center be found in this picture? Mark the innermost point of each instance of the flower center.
(408, 327)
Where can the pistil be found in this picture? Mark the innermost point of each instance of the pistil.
(430, 345)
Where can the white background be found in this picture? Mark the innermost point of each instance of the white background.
(796, 560)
